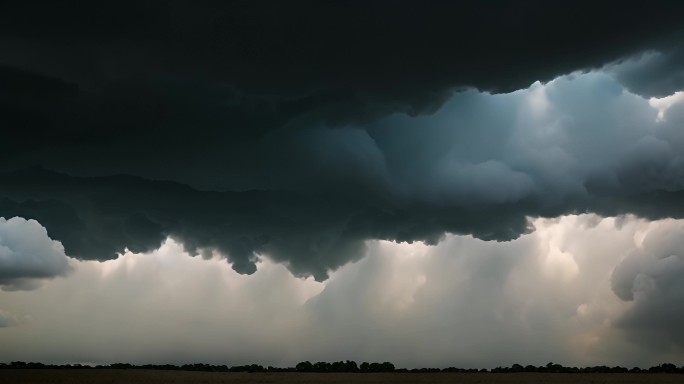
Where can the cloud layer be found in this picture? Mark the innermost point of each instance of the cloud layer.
(355, 57)
(189, 88)
(302, 131)
(479, 165)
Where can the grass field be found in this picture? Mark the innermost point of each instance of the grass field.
(67, 376)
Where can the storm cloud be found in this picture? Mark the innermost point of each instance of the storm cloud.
(187, 89)
(653, 73)
(481, 165)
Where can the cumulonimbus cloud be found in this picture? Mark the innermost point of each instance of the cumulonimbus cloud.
(281, 130)
(480, 165)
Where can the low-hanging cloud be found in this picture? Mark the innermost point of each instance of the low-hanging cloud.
(480, 165)
(28, 255)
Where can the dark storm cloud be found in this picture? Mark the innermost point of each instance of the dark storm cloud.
(186, 88)
(654, 74)
(300, 130)
(577, 144)
(100, 217)
(380, 47)
(177, 65)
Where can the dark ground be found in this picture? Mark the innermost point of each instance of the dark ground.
(46, 376)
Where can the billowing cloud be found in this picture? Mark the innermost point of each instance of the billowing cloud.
(28, 255)
(480, 165)
(303, 131)
(187, 87)
(652, 277)
(547, 296)
(654, 73)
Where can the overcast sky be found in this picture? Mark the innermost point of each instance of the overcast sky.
(270, 182)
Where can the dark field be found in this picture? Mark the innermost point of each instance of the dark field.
(66, 376)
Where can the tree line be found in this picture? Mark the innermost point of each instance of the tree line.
(350, 366)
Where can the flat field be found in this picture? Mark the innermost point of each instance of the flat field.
(68, 376)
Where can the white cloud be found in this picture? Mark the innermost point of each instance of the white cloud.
(28, 255)
(664, 103)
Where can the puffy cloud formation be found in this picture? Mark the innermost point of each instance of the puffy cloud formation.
(547, 296)
(479, 165)
(189, 88)
(27, 255)
(652, 277)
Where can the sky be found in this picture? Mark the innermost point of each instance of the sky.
(428, 183)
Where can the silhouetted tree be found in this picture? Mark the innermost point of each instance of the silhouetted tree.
(304, 366)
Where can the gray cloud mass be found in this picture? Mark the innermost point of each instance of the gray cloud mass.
(654, 73)
(580, 143)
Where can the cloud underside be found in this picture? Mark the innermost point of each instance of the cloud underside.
(579, 290)
(480, 165)
(299, 132)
